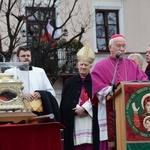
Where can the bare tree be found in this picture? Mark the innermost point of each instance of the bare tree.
(14, 18)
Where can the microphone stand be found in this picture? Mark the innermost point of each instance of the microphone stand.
(112, 93)
(114, 86)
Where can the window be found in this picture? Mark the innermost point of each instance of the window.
(37, 21)
(107, 24)
(42, 55)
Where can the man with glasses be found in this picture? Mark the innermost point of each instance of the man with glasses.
(36, 76)
(103, 79)
(36, 84)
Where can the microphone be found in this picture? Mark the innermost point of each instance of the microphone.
(50, 117)
(118, 54)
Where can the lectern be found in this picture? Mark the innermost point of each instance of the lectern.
(128, 116)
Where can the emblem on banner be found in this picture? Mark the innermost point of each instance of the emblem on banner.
(138, 112)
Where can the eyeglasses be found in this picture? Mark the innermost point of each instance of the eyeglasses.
(25, 56)
(119, 46)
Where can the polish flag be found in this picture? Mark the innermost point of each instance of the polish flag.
(47, 35)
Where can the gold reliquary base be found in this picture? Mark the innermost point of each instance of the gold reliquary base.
(10, 93)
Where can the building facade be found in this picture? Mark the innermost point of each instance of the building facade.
(104, 18)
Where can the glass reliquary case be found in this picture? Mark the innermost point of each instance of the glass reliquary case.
(12, 87)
